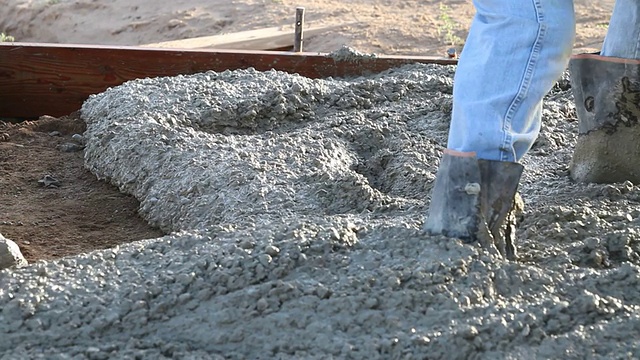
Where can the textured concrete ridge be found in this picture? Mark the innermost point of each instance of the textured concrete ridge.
(295, 207)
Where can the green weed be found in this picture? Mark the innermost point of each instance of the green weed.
(6, 38)
(447, 27)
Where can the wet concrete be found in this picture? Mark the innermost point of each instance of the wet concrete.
(295, 208)
(603, 156)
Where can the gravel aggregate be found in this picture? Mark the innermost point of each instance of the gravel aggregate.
(295, 208)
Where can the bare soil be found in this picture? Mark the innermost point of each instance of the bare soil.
(80, 215)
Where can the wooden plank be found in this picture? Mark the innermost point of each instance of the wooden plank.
(55, 79)
(272, 38)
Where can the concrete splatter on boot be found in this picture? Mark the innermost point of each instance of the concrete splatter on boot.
(500, 205)
(607, 96)
(476, 200)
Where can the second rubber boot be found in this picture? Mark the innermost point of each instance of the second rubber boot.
(476, 200)
(607, 96)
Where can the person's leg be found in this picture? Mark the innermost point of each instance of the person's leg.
(515, 51)
(623, 35)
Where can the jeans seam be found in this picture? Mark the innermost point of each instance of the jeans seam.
(524, 86)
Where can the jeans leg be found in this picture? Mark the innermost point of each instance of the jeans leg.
(515, 51)
(623, 35)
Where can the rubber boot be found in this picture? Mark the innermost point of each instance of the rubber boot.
(476, 200)
(607, 95)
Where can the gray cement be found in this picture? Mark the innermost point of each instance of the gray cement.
(295, 207)
(606, 155)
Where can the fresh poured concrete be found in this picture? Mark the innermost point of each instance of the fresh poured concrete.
(296, 208)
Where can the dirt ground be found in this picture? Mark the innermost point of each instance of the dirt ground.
(416, 27)
(80, 215)
(84, 213)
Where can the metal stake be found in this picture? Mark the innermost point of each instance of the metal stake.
(297, 41)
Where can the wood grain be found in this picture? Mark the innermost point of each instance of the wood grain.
(272, 38)
(55, 79)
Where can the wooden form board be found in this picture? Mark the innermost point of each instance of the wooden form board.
(272, 38)
(55, 79)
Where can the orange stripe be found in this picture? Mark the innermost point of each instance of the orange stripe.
(460, 153)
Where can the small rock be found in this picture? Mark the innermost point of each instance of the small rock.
(371, 303)
(598, 258)
(10, 254)
(4, 137)
(49, 181)
(265, 259)
(393, 281)
(611, 192)
(323, 292)
(185, 279)
(247, 244)
(70, 147)
(469, 332)
(591, 243)
(262, 304)
(272, 250)
(174, 23)
(78, 138)
(626, 187)
(55, 133)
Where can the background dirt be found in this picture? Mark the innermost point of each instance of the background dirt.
(85, 213)
(424, 27)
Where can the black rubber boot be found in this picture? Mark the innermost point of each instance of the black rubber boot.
(476, 200)
(607, 96)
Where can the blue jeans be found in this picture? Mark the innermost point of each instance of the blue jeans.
(515, 51)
